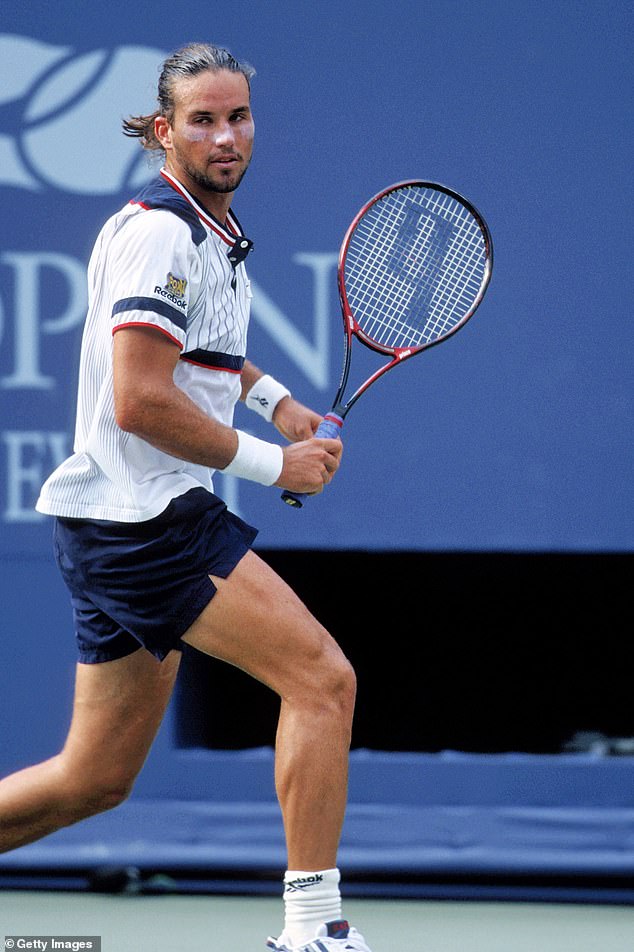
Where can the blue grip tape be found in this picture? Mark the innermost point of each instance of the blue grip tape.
(328, 429)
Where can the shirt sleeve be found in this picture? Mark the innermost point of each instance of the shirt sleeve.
(153, 275)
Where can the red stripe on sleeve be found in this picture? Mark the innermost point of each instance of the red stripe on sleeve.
(154, 327)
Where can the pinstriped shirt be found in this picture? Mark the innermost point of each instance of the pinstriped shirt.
(163, 262)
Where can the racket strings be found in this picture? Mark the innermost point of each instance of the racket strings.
(415, 266)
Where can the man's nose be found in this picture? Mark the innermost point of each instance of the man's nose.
(223, 134)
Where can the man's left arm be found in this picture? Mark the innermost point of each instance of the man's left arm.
(271, 400)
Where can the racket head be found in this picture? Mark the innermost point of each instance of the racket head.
(413, 267)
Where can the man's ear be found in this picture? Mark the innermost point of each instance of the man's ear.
(163, 131)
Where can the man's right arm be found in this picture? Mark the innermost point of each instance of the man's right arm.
(149, 404)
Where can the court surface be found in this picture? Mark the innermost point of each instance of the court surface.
(177, 923)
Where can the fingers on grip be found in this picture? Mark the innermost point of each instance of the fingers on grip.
(328, 429)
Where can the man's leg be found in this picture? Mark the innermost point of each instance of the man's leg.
(256, 622)
(117, 711)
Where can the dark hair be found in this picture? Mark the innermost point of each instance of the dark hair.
(188, 61)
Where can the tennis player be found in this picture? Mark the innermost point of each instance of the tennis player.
(151, 556)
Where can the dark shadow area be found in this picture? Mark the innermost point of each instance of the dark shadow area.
(479, 652)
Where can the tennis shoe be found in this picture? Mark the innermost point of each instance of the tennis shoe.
(336, 936)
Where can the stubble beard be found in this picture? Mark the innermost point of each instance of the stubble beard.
(218, 186)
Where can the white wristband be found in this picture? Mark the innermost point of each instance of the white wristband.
(256, 460)
(264, 396)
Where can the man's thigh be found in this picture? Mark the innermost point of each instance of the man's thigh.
(256, 622)
(118, 708)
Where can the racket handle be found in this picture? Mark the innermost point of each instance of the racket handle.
(328, 429)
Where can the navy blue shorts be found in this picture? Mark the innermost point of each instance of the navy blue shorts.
(143, 584)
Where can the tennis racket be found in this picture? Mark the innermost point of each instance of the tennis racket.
(413, 267)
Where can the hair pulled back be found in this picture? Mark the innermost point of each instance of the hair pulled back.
(188, 61)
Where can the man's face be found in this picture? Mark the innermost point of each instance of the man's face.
(209, 142)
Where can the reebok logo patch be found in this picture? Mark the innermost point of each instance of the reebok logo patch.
(173, 290)
(303, 882)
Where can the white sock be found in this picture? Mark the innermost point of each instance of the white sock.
(310, 899)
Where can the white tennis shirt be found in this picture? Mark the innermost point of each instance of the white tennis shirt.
(162, 262)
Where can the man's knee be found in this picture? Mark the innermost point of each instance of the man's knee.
(107, 796)
(335, 681)
(87, 793)
(345, 685)
(99, 797)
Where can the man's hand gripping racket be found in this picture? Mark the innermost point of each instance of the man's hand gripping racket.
(413, 267)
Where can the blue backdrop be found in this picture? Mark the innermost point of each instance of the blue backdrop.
(516, 434)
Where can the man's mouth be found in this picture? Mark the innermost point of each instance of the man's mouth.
(225, 160)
